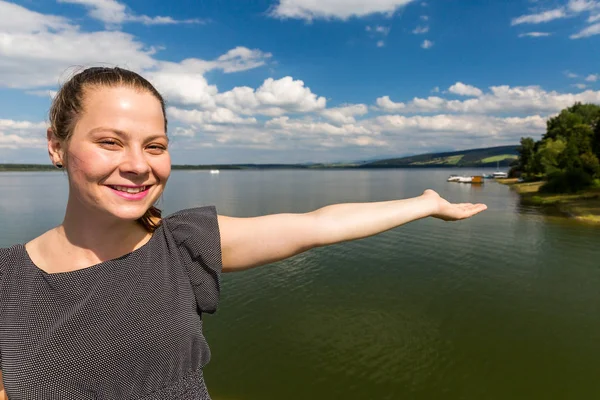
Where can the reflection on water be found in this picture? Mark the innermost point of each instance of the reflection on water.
(501, 306)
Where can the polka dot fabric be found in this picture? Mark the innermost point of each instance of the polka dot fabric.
(128, 328)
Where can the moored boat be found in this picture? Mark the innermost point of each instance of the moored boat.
(478, 179)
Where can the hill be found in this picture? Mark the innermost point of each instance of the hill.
(485, 157)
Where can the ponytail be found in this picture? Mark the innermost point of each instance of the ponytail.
(151, 219)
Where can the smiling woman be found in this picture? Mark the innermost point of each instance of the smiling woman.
(109, 304)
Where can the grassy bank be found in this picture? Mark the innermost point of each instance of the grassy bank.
(583, 206)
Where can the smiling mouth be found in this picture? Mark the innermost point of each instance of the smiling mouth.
(132, 190)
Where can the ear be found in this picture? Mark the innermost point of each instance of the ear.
(55, 148)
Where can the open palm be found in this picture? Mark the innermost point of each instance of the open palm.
(453, 212)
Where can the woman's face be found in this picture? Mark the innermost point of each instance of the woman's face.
(117, 158)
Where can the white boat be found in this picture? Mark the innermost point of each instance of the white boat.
(214, 171)
(466, 179)
(498, 174)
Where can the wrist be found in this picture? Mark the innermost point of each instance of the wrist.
(431, 204)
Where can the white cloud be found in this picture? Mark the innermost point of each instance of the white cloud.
(535, 34)
(241, 59)
(309, 127)
(425, 17)
(435, 89)
(592, 77)
(219, 115)
(573, 8)
(43, 93)
(35, 49)
(384, 30)
(380, 43)
(22, 134)
(18, 19)
(426, 44)
(316, 135)
(571, 75)
(345, 114)
(500, 99)
(465, 90)
(421, 30)
(334, 9)
(474, 125)
(541, 17)
(379, 29)
(386, 104)
(587, 32)
(113, 13)
(184, 82)
(273, 97)
(578, 6)
(289, 94)
(580, 85)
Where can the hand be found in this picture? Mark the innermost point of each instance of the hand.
(447, 211)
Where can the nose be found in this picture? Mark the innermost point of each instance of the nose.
(135, 162)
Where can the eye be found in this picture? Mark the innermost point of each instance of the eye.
(156, 148)
(109, 142)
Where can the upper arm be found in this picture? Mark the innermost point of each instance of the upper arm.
(2, 392)
(250, 242)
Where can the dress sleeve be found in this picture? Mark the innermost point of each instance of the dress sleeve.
(3, 262)
(196, 234)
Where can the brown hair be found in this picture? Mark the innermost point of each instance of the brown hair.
(68, 105)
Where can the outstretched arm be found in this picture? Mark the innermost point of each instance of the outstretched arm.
(250, 242)
(2, 392)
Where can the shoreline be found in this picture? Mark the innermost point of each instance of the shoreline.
(583, 206)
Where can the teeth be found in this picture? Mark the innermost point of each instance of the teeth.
(129, 189)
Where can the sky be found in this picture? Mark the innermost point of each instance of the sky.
(294, 81)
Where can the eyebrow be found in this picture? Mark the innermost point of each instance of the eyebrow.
(125, 134)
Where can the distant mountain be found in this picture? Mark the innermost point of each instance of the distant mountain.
(486, 157)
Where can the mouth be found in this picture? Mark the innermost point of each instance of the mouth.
(130, 189)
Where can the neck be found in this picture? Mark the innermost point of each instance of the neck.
(99, 235)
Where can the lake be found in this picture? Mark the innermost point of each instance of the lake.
(502, 306)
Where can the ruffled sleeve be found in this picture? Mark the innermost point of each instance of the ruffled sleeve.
(196, 234)
(3, 267)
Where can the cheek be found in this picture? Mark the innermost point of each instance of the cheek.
(163, 168)
(89, 164)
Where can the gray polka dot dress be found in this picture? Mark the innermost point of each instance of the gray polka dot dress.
(128, 328)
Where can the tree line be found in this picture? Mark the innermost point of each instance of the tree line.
(567, 156)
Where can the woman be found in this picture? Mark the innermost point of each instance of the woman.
(109, 304)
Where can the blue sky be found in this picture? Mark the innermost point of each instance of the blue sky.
(309, 80)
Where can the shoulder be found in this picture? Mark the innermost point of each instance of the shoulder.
(194, 228)
(8, 257)
(192, 219)
(192, 213)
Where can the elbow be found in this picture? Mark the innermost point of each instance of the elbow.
(323, 231)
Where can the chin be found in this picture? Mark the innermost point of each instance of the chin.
(129, 213)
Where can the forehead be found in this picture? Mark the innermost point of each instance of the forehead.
(121, 108)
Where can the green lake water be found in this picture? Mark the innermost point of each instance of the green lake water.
(502, 306)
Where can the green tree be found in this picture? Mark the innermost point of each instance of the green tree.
(596, 138)
(550, 155)
(526, 160)
(568, 155)
(590, 163)
(578, 114)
